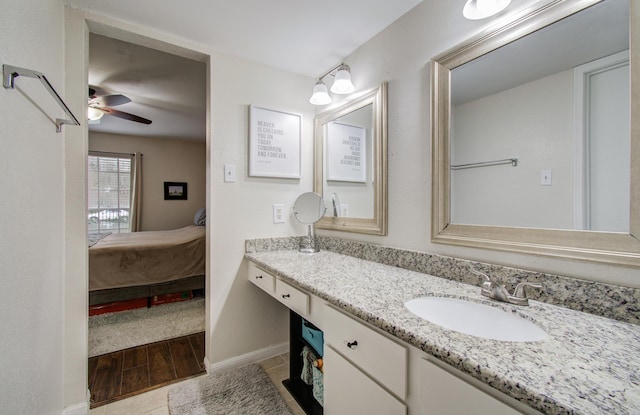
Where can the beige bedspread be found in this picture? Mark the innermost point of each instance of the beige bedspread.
(143, 258)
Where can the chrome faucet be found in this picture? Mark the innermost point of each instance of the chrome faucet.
(499, 292)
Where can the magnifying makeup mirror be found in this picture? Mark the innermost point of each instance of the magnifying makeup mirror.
(308, 209)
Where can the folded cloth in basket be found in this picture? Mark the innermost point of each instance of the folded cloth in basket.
(308, 357)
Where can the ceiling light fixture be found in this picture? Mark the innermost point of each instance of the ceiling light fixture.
(341, 85)
(481, 9)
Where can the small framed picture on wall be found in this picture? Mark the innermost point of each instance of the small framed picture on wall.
(175, 191)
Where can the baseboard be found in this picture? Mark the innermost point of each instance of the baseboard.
(81, 408)
(244, 359)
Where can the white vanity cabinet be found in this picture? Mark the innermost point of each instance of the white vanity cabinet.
(369, 372)
(443, 390)
(365, 371)
(288, 295)
(347, 390)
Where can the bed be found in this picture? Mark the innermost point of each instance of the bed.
(124, 266)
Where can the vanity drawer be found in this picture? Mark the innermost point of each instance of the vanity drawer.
(380, 357)
(261, 278)
(293, 298)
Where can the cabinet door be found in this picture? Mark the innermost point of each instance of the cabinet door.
(349, 391)
(445, 394)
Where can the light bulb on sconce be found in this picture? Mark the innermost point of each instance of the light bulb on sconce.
(341, 85)
(320, 94)
(481, 9)
(342, 82)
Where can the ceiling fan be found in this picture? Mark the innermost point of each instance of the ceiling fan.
(101, 105)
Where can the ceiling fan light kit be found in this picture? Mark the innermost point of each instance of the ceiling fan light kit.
(98, 106)
(94, 114)
(341, 85)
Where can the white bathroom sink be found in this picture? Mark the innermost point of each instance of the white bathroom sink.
(476, 319)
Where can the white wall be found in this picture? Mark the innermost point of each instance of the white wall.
(426, 31)
(32, 207)
(505, 125)
(243, 210)
(164, 160)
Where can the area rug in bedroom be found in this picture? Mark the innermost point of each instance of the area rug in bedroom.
(246, 390)
(122, 330)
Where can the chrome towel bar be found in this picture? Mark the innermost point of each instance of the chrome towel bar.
(512, 161)
(10, 73)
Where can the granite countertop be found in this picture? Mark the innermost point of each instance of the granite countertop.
(587, 364)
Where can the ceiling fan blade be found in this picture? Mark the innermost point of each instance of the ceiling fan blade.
(110, 100)
(125, 115)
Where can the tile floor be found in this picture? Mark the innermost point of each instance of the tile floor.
(155, 402)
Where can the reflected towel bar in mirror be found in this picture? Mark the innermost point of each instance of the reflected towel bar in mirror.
(512, 161)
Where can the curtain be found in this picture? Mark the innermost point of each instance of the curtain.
(135, 215)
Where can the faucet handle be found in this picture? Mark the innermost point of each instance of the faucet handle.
(519, 292)
(482, 274)
(487, 287)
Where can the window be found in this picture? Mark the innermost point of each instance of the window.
(109, 192)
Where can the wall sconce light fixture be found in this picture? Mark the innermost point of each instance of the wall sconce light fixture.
(341, 85)
(481, 9)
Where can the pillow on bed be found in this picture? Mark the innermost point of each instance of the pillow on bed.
(201, 217)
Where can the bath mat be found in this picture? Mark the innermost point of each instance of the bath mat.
(246, 390)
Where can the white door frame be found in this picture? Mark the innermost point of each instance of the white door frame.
(78, 25)
(582, 81)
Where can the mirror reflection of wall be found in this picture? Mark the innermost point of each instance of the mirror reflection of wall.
(348, 181)
(558, 101)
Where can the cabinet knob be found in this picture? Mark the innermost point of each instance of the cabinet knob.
(286, 295)
(258, 277)
(352, 345)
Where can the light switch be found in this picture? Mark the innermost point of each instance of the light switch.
(545, 178)
(229, 172)
(278, 213)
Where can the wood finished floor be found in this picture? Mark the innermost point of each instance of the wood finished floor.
(129, 372)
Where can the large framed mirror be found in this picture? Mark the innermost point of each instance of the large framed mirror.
(351, 164)
(536, 135)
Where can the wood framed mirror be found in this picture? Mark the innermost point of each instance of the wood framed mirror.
(350, 166)
(503, 54)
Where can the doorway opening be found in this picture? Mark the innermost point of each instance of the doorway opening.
(132, 80)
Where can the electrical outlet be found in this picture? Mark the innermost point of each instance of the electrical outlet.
(344, 210)
(278, 213)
